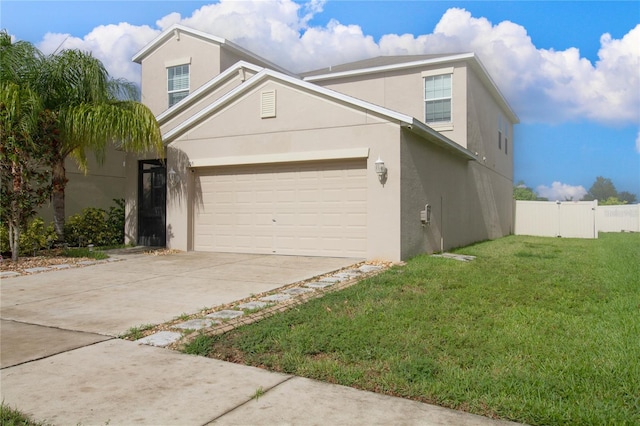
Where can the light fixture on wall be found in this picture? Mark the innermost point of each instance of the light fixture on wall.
(381, 170)
(173, 177)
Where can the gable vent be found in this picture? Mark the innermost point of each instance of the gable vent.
(268, 104)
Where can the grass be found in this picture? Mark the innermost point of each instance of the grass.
(85, 252)
(135, 333)
(536, 330)
(13, 417)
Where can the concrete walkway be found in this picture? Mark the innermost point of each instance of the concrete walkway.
(62, 363)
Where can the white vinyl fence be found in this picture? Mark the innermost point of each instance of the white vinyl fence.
(574, 219)
(569, 219)
(624, 218)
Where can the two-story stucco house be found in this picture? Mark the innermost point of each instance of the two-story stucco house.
(379, 159)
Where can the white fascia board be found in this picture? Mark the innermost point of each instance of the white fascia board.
(229, 96)
(193, 96)
(284, 157)
(170, 32)
(493, 88)
(256, 79)
(383, 68)
(438, 139)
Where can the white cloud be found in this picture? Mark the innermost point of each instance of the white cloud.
(542, 85)
(114, 45)
(561, 191)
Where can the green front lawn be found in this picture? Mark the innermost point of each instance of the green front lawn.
(537, 330)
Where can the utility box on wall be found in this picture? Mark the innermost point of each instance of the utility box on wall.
(425, 215)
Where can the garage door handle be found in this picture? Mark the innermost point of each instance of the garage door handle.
(273, 220)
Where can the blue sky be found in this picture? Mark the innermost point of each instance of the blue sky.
(577, 92)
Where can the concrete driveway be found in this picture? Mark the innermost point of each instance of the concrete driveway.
(50, 312)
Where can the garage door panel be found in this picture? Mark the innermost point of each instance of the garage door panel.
(303, 208)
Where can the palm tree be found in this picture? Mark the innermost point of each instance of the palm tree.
(90, 110)
(24, 175)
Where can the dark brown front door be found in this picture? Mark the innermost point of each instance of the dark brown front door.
(152, 205)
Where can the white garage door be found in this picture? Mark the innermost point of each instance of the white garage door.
(314, 208)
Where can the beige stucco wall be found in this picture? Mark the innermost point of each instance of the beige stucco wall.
(203, 56)
(304, 123)
(403, 91)
(206, 57)
(469, 201)
(98, 188)
(483, 128)
(172, 120)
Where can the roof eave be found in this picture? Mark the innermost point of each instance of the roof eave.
(266, 72)
(171, 31)
(493, 87)
(383, 68)
(201, 91)
(438, 139)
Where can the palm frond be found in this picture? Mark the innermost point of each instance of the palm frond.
(130, 125)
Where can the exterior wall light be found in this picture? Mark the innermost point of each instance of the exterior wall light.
(173, 177)
(381, 170)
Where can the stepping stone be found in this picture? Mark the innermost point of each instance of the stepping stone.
(459, 257)
(331, 280)
(7, 274)
(279, 297)
(369, 268)
(253, 305)
(297, 290)
(63, 266)
(160, 339)
(38, 269)
(226, 314)
(319, 284)
(196, 324)
(346, 275)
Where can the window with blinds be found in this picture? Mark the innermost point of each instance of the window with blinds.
(177, 83)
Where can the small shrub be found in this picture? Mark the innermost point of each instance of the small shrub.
(4, 239)
(35, 237)
(96, 226)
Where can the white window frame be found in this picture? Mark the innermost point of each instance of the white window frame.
(504, 127)
(182, 90)
(437, 73)
(499, 131)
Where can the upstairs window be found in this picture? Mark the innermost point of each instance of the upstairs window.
(177, 83)
(500, 131)
(437, 98)
(503, 133)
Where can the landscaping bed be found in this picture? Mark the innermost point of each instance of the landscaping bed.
(46, 259)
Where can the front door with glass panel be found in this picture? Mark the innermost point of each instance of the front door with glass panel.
(152, 206)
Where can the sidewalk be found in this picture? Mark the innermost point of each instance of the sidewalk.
(118, 382)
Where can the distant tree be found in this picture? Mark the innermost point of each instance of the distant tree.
(523, 192)
(627, 197)
(601, 190)
(611, 201)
